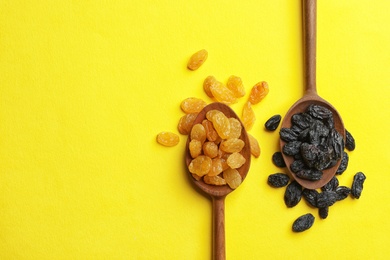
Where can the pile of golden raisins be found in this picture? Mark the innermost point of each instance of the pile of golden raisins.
(214, 144)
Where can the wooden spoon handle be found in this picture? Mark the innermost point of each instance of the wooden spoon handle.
(309, 44)
(219, 252)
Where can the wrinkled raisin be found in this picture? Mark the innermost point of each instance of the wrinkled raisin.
(310, 196)
(349, 141)
(292, 148)
(323, 212)
(195, 147)
(297, 165)
(342, 192)
(258, 92)
(232, 177)
(255, 147)
(326, 199)
(310, 174)
(235, 128)
(192, 105)
(220, 122)
(197, 59)
(235, 160)
(186, 122)
(214, 180)
(293, 194)
(198, 133)
(273, 123)
(222, 94)
(331, 185)
(357, 184)
(287, 135)
(211, 134)
(319, 112)
(168, 139)
(210, 149)
(207, 83)
(277, 159)
(236, 86)
(201, 165)
(344, 164)
(216, 167)
(233, 145)
(248, 116)
(278, 180)
(303, 223)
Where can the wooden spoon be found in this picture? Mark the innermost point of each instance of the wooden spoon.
(311, 96)
(218, 193)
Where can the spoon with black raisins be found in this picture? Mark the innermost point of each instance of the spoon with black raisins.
(312, 133)
(224, 173)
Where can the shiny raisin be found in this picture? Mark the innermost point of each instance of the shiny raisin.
(248, 116)
(235, 160)
(273, 123)
(293, 194)
(222, 94)
(236, 86)
(192, 105)
(278, 180)
(207, 83)
(303, 223)
(168, 139)
(232, 177)
(186, 122)
(357, 184)
(201, 165)
(197, 59)
(349, 141)
(254, 145)
(258, 92)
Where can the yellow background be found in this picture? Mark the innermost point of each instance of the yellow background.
(85, 86)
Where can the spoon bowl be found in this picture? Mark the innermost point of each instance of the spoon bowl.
(311, 96)
(218, 193)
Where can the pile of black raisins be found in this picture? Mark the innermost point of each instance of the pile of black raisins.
(315, 145)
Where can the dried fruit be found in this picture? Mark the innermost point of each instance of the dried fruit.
(232, 177)
(331, 185)
(310, 196)
(195, 147)
(342, 192)
(255, 147)
(349, 141)
(248, 116)
(186, 122)
(273, 123)
(210, 149)
(293, 194)
(323, 212)
(222, 94)
(236, 86)
(258, 92)
(216, 167)
(198, 133)
(192, 105)
(211, 134)
(357, 184)
(297, 165)
(201, 165)
(233, 145)
(292, 148)
(278, 160)
(207, 83)
(197, 59)
(303, 223)
(278, 180)
(235, 160)
(310, 174)
(220, 122)
(214, 180)
(344, 164)
(235, 128)
(288, 135)
(326, 199)
(168, 139)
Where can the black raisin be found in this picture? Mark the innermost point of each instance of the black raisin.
(326, 199)
(319, 112)
(293, 194)
(273, 123)
(342, 192)
(331, 185)
(287, 135)
(278, 180)
(349, 141)
(310, 196)
(300, 120)
(292, 148)
(344, 164)
(357, 184)
(297, 166)
(277, 159)
(303, 223)
(336, 141)
(310, 174)
(323, 212)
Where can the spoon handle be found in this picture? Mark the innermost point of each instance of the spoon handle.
(219, 251)
(309, 43)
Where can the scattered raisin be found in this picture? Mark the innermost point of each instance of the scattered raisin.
(342, 192)
(303, 223)
(192, 105)
(357, 184)
(248, 116)
(255, 147)
(310, 196)
(273, 123)
(278, 180)
(323, 212)
(168, 139)
(236, 86)
(277, 159)
(258, 92)
(186, 122)
(326, 199)
(197, 59)
(293, 194)
(349, 141)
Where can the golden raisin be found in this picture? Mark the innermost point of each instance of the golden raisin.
(207, 83)
(236, 86)
(214, 180)
(235, 160)
(221, 123)
(195, 147)
(192, 105)
(255, 147)
(233, 145)
(198, 133)
(211, 134)
(186, 122)
(248, 116)
(167, 139)
(232, 178)
(210, 149)
(235, 128)
(201, 165)
(197, 59)
(258, 92)
(216, 167)
(222, 94)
